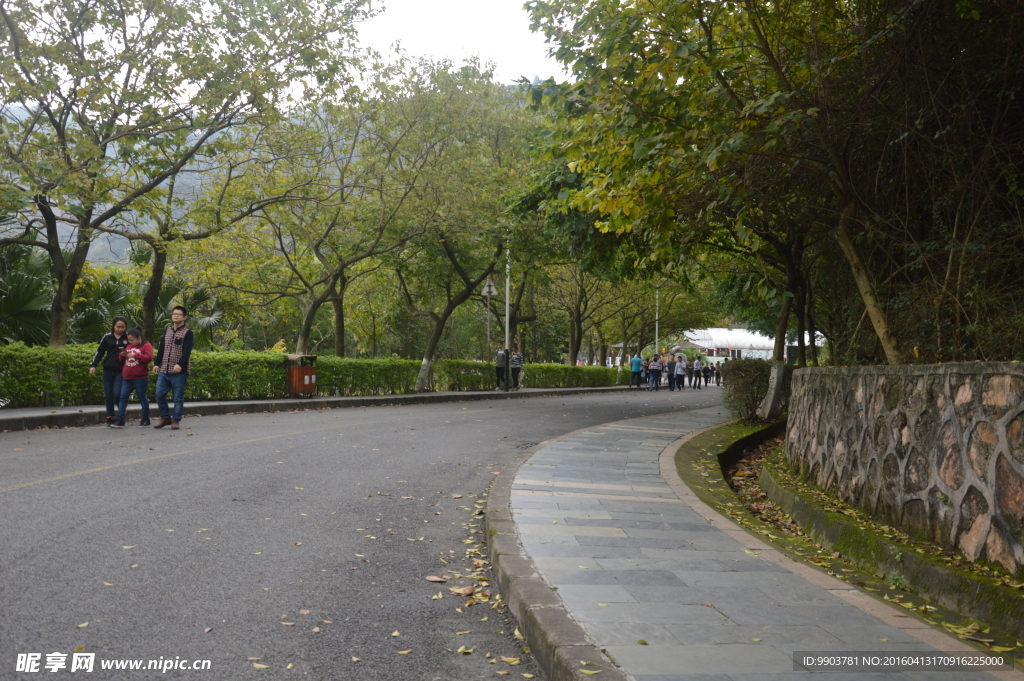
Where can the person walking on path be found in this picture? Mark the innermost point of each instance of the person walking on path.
(515, 362)
(636, 366)
(680, 372)
(697, 367)
(500, 362)
(706, 371)
(109, 353)
(654, 369)
(718, 374)
(172, 361)
(670, 372)
(135, 376)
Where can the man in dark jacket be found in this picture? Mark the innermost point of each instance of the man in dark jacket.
(172, 361)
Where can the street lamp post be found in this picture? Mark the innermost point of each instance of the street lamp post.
(657, 320)
(508, 295)
(489, 290)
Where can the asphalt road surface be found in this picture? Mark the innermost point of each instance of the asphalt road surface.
(286, 545)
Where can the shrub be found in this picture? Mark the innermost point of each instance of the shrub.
(567, 376)
(746, 384)
(460, 374)
(44, 377)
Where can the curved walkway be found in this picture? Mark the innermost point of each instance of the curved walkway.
(611, 540)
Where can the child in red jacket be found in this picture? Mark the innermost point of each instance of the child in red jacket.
(135, 375)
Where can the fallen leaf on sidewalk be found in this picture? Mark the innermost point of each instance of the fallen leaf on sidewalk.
(288, 624)
(260, 666)
(207, 630)
(303, 612)
(465, 651)
(82, 625)
(403, 652)
(435, 578)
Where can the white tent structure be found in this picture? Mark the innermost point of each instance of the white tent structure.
(732, 343)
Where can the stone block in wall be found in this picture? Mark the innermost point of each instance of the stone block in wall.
(936, 450)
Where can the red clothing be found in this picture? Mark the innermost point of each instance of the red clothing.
(136, 361)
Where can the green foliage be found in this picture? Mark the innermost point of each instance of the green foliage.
(456, 374)
(746, 384)
(46, 377)
(566, 376)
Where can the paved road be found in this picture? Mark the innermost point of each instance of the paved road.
(238, 523)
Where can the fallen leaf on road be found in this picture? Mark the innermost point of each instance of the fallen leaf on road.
(404, 652)
(290, 666)
(127, 547)
(503, 672)
(107, 584)
(512, 661)
(438, 597)
(604, 605)
(517, 635)
(462, 591)
(590, 671)
(327, 621)
(316, 630)
(356, 659)
(408, 497)
(82, 625)
(460, 633)
(756, 640)
(456, 496)
(260, 666)
(395, 633)
(642, 642)
(530, 676)
(303, 612)
(207, 630)
(465, 651)
(253, 658)
(435, 578)
(298, 543)
(288, 624)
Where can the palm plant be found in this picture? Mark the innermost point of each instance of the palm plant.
(25, 295)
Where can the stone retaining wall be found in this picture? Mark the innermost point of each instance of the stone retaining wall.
(937, 451)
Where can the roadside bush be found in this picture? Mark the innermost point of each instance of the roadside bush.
(32, 376)
(746, 384)
(461, 374)
(566, 376)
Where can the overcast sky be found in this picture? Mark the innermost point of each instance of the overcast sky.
(494, 30)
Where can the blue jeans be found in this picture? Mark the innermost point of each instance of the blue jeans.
(139, 385)
(655, 379)
(112, 391)
(175, 384)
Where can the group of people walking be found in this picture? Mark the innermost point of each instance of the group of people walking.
(513, 361)
(125, 356)
(679, 371)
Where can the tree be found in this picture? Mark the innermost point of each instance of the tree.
(674, 96)
(481, 155)
(102, 104)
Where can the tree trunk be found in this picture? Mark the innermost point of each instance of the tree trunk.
(152, 297)
(866, 286)
(339, 326)
(812, 331)
(781, 326)
(801, 320)
(423, 379)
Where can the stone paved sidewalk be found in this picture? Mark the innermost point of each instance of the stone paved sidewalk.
(633, 561)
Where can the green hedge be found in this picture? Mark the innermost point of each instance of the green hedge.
(45, 377)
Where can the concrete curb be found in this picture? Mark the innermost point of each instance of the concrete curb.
(93, 415)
